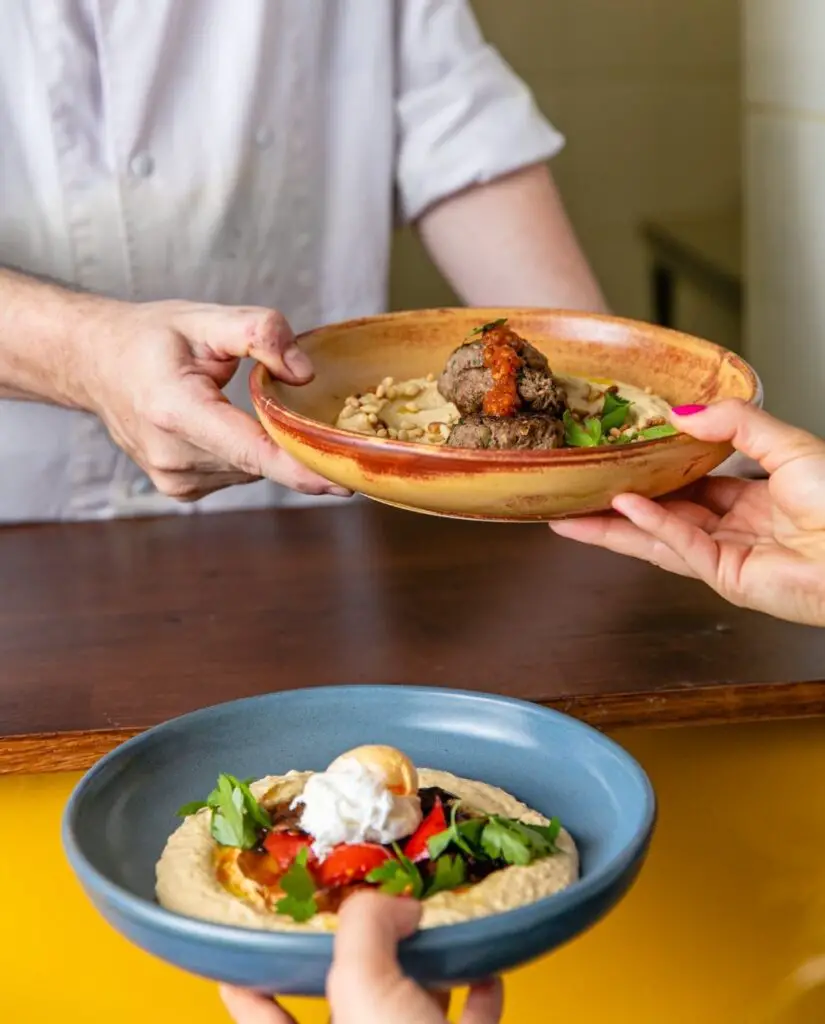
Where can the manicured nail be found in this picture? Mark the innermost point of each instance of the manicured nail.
(688, 410)
(339, 492)
(298, 362)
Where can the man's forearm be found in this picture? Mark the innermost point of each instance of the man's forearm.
(510, 243)
(41, 330)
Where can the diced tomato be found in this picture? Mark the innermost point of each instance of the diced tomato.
(432, 825)
(284, 847)
(346, 864)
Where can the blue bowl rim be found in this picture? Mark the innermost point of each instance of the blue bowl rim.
(493, 927)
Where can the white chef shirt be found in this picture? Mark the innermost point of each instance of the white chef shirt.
(233, 151)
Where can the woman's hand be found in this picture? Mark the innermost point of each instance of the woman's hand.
(366, 984)
(760, 544)
(154, 372)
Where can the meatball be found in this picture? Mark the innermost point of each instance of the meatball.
(536, 431)
(465, 380)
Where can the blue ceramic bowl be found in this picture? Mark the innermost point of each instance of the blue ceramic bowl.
(123, 810)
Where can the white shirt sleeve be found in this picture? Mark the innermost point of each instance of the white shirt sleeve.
(464, 117)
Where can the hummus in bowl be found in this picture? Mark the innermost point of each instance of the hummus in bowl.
(550, 457)
(302, 843)
(124, 815)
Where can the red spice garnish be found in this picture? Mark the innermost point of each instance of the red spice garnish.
(501, 357)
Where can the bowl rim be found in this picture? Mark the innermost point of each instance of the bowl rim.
(315, 430)
(493, 927)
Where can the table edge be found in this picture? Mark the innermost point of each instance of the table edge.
(71, 751)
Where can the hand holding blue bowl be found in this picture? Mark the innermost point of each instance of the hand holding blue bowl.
(122, 813)
(366, 984)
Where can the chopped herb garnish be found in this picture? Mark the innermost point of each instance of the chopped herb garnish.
(237, 817)
(398, 877)
(497, 838)
(191, 808)
(299, 903)
(489, 327)
(654, 433)
(614, 412)
(450, 873)
(587, 434)
(465, 835)
(518, 843)
(502, 842)
(595, 430)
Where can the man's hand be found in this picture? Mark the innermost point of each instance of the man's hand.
(154, 372)
(366, 984)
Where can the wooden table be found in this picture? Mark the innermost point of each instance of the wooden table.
(706, 250)
(107, 628)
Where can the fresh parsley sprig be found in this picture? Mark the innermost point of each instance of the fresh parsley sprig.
(489, 327)
(593, 431)
(237, 819)
(464, 835)
(496, 838)
(654, 433)
(450, 873)
(614, 411)
(398, 876)
(585, 434)
(518, 843)
(298, 884)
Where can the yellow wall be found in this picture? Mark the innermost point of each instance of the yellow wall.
(731, 904)
(647, 93)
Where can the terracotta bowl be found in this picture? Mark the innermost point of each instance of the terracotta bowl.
(518, 486)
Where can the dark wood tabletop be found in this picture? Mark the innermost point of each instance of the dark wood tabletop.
(107, 628)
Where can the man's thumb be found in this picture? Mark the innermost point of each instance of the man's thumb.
(222, 332)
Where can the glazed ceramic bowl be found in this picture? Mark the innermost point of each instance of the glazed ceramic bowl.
(121, 813)
(499, 485)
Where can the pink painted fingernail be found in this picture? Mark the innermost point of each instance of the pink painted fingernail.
(688, 410)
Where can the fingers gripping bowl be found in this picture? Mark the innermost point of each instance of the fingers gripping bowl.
(588, 805)
(522, 484)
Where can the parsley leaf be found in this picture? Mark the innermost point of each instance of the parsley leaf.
(237, 817)
(550, 833)
(495, 838)
(191, 808)
(489, 327)
(398, 876)
(515, 842)
(614, 412)
(582, 435)
(450, 873)
(299, 903)
(502, 842)
(465, 835)
(654, 433)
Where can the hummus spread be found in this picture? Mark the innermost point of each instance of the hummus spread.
(414, 410)
(188, 870)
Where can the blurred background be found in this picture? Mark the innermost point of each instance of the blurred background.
(694, 169)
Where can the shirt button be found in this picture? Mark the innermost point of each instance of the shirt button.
(142, 165)
(263, 138)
